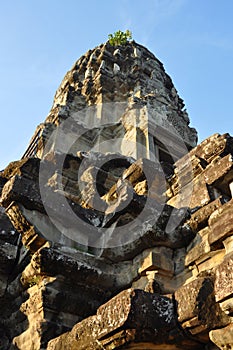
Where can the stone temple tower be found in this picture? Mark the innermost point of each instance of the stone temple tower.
(117, 99)
(104, 242)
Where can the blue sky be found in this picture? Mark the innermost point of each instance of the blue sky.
(40, 41)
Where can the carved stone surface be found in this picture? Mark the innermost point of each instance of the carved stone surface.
(128, 100)
(144, 315)
(109, 248)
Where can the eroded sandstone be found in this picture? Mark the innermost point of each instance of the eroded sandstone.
(120, 233)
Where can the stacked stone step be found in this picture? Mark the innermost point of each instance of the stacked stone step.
(205, 299)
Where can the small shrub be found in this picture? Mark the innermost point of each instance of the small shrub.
(119, 37)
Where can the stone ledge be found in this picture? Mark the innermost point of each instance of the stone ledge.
(133, 315)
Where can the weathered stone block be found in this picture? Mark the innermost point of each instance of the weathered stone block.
(179, 260)
(28, 167)
(192, 298)
(83, 269)
(144, 169)
(188, 167)
(198, 250)
(223, 284)
(159, 258)
(218, 169)
(227, 306)
(221, 223)
(21, 189)
(30, 235)
(199, 219)
(131, 309)
(228, 244)
(192, 195)
(213, 146)
(223, 338)
(210, 260)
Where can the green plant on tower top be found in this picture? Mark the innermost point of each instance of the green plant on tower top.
(119, 37)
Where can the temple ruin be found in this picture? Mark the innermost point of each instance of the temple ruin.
(115, 226)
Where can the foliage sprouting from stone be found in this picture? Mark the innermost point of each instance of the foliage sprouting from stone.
(119, 37)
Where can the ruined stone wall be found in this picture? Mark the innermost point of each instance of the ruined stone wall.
(105, 244)
(170, 286)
